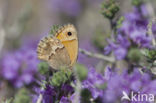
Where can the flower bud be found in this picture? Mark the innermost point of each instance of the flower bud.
(54, 29)
(85, 96)
(137, 2)
(60, 77)
(43, 67)
(134, 55)
(109, 9)
(22, 96)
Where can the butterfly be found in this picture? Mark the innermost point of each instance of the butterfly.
(60, 50)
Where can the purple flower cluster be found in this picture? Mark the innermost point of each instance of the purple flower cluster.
(114, 83)
(20, 67)
(66, 93)
(133, 32)
(135, 27)
(117, 83)
(135, 82)
(94, 79)
(52, 94)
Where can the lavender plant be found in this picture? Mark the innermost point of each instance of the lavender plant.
(129, 44)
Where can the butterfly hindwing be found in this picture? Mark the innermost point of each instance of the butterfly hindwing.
(69, 41)
(51, 49)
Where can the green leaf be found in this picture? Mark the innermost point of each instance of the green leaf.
(150, 54)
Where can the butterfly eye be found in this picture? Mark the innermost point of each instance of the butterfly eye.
(69, 33)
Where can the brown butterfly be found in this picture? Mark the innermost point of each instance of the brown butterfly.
(60, 50)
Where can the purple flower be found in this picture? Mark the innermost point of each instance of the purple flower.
(140, 37)
(107, 49)
(48, 94)
(67, 89)
(64, 100)
(135, 28)
(117, 83)
(94, 79)
(123, 41)
(126, 27)
(37, 91)
(120, 53)
(20, 67)
(135, 82)
(133, 16)
(52, 94)
(108, 73)
(119, 48)
(133, 32)
(144, 11)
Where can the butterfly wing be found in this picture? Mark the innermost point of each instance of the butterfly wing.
(51, 49)
(69, 41)
(72, 50)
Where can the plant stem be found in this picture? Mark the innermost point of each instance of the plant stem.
(77, 88)
(150, 31)
(39, 100)
(96, 55)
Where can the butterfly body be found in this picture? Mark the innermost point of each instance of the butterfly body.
(61, 50)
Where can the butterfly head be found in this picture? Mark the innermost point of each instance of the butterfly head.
(67, 33)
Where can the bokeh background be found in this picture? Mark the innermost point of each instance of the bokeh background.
(29, 20)
(34, 18)
(24, 22)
